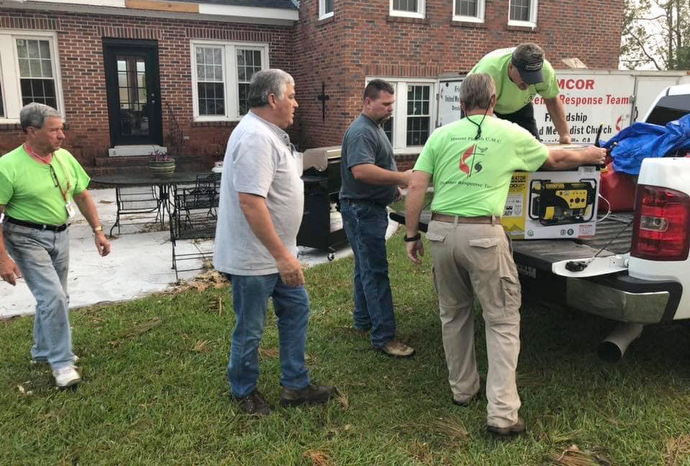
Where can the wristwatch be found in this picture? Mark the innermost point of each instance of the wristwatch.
(416, 237)
(98, 228)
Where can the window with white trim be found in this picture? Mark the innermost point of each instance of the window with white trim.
(221, 73)
(325, 9)
(468, 10)
(408, 8)
(522, 13)
(418, 114)
(411, 125)
(29, 72)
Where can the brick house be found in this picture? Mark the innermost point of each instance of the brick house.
(130, 76)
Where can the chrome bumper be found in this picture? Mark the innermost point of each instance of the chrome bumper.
(624, 300)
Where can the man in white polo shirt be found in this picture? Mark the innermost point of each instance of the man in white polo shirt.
(261, 204)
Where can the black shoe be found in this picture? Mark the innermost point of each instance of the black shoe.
(311, 394)
(517, 428)
(254, 404)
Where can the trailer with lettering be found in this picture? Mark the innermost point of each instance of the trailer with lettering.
(615, 98)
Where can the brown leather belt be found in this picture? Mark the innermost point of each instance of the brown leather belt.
(456, 219)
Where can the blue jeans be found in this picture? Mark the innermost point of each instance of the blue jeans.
(43, 258)
(250, 295)
(365, 226)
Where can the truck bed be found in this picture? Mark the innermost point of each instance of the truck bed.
(541, 254)
(614, 234)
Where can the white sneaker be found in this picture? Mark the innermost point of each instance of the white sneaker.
(66, 376)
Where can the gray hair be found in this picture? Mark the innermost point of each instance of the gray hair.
(528, 53)
(35, 114)
(476, 91)
(265, 83)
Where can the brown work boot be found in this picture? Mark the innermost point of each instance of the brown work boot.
(254, 404)
(311, 394)
(465, 401)
(397, 349)
(517, 428)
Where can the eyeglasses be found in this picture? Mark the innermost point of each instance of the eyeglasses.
(54, 176)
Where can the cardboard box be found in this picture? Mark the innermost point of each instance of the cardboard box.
(552, 204)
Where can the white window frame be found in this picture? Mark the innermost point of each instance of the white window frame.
(3, 100)
(322, 10)
(400, 109)
(420, 13)
(9, 71)
(470, 19)
(532, 23)
(230, 79)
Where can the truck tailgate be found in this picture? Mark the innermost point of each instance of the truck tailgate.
(541, 254)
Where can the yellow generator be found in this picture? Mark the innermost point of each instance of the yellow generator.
(561, 203)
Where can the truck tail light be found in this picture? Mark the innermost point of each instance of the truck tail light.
(662, 224)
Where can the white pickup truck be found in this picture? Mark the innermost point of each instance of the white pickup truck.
(642, 271)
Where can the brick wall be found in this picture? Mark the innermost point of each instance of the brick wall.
(361, 40)
(80, 45)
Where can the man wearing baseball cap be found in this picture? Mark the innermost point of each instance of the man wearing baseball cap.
(520, 73)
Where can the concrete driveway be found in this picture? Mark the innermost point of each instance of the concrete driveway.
(139, 264)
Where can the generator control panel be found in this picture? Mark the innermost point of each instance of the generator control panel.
(561, 203)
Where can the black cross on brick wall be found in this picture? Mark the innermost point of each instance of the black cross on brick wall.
(323, 98)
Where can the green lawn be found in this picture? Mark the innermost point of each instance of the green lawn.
(154, 389)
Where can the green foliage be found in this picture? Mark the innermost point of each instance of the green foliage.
(154, 389)
(656, 34)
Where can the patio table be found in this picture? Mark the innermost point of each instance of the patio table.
(145, 178)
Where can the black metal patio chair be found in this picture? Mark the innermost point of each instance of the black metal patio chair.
(138, 200)
(192, 218)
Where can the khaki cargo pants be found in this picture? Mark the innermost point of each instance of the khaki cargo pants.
(469, 260)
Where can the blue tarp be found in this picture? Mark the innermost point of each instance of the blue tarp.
(642, 140)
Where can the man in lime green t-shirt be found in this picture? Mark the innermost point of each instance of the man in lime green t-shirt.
(520, 73)
(472, 161)
(39, 185)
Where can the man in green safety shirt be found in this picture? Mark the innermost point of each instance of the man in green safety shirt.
(520, 73)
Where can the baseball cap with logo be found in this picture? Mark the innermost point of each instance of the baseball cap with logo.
(529, 59)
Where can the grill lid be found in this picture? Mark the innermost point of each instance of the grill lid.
(319, 157)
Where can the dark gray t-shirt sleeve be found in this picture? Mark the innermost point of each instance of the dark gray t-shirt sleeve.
(361, 149)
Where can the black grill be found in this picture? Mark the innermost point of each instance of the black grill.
(321, 187)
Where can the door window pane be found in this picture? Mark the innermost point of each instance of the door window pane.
(519, 10)
(405, 5)
(210, 86)
(466, 8)
(418, 114)
(248, 63)
(133, 95)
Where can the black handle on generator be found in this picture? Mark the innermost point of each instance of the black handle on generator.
(597, 142)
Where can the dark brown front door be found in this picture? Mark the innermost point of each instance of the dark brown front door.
(133, 88)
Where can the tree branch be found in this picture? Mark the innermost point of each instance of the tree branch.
(644, 51)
